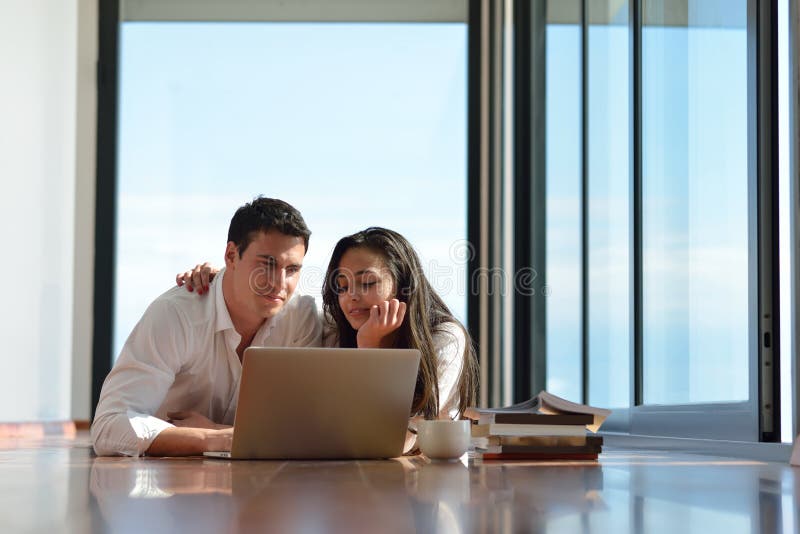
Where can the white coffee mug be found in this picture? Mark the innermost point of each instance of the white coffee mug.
(443, 439)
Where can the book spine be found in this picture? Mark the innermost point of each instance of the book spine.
(498, 429)
(520, 449)
(537, 456)
(538, 441)
(537, 419)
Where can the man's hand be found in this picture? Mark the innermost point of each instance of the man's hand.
(192, 420)
(220, 440)
(190, 441)
(384, 319)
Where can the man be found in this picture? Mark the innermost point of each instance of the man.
(174, 388)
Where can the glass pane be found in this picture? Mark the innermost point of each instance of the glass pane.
(563, 218)
(609, 203)
(694, 146)
(354, 124)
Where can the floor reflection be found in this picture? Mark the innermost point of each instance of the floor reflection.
(414, 494)
(135, 495)
(403, 495)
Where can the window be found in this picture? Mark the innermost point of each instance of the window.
(651, 165)
(355, 124)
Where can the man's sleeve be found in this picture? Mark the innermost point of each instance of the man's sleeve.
(137, 385)
(307, 327)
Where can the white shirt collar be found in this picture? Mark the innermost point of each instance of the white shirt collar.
(223, 317)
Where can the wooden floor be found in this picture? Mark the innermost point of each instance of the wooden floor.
(55, 484)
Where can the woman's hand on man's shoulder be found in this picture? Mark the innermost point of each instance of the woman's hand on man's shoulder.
(198, 278)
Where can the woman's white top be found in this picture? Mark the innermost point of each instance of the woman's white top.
(449, 343)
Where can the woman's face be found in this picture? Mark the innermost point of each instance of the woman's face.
(363, 281)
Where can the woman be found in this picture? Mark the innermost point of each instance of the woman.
(375, 294)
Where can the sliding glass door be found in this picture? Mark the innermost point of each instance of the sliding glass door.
(659, 224)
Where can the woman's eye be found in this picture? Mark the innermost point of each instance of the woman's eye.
(341, 289)
(367, 285)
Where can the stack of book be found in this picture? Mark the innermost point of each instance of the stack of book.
(545, 427)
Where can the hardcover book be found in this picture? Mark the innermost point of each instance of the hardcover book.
(538, 456)
(537, 441)
(590, 447)
(502, 429)
(544, 405)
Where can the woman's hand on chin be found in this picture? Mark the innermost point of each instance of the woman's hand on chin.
(384, 319)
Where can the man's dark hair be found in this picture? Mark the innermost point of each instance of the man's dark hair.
(262, 215)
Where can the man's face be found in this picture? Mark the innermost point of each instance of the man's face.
(266, 275)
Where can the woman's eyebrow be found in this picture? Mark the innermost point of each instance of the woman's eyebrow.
(357, 273)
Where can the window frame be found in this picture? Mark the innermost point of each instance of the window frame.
(794, 200)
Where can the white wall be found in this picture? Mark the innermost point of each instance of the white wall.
(39, 165)
(85, 149)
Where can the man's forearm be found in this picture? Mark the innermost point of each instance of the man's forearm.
(190, 441)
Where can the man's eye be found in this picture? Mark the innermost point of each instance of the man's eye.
(292, 270)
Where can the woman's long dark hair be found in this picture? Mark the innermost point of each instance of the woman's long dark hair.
(425, 314)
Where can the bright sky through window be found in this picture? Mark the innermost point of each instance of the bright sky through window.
(355, 124)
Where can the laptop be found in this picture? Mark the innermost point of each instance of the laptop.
(316, 403)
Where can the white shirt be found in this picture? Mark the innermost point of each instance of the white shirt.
(182, 356)
(449, 343)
